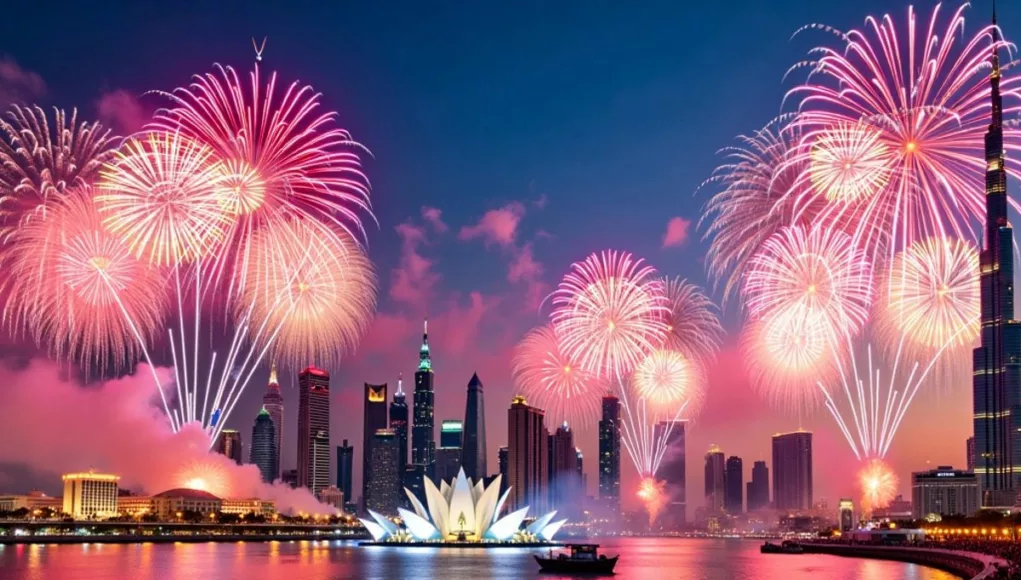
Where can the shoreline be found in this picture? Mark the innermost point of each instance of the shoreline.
(160, 539)
(969, 565)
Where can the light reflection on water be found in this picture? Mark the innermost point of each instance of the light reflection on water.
(644, 558)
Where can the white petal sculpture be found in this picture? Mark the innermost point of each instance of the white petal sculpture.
(461, 511)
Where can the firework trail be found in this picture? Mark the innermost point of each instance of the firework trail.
(79, 291)
(555, 381)
(908, 107)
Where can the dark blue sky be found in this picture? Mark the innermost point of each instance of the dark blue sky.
(610, 111)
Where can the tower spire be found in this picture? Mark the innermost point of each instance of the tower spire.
(400, 385)
(273, 374)
(424, 360)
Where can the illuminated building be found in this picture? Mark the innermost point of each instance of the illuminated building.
(375, 419)
(263, 451)
(313, 429)
(345, 467)
(90, 495)
(382, 491)
(527, 456)
(35, 500)
(792, 471)
(845, 515)
(758, 487)
(448, 456)
(733, 499)
(564, 485)
(997, 361)
(462, 511)
(944, 491)
(241, 507)
(673, 473)
(715, 474)
(399, 424)
(473, 448)
(501, 459)
(582, 479)
(273, 402)
(332, 496)
(609, 454)
(423, 436)
(969, 450)
(229, 445)
(168, 504)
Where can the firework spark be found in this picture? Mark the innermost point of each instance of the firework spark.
(817, 271)
(922, 93)
(208, 475)
(878, 484)
(160, 194)
(609, 312)
(693, 327)
(555, 381)
(848, 163)
(667, 379)
(653, 496)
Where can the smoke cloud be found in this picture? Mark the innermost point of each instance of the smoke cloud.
(54, 425)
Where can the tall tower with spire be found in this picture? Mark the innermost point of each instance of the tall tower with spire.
(399, 425)
(997, 362)
(273, 403)
(423, 432)
(473, 444)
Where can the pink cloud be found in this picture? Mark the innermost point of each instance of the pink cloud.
(497, 226)
(523, 266)
(676, 232)
(414, 280)
(541, 202)
(435, 218)
(18, 85)
(115, 427)
(122, 111)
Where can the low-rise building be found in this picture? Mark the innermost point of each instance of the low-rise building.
(34, 500)
(944, 491)
(90, 495)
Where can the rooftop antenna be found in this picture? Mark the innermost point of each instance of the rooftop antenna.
(259, 48)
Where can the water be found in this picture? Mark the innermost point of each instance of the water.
(642, 558)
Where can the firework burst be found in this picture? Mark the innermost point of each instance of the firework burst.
(653, 496)
(878, 483)
(555, 381)
(921, 92)
(848, 163)
(667, 379)
(693, 327)
(160, 195)
(208, 475)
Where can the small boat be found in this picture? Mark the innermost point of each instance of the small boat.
(582, 560)
(787, 547)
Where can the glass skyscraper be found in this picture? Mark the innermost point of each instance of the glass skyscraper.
(609, 454)
(399, 424)
(733, 497)
(345, 467)
(423, 436)
(374, 420)
(273, 402)
(997, 361)
(448, 456)
(382, 490)
(673, 473)
(263, 452)
(758, 487)
(314, 429)
(473, 448)
(715, 474)
(792, 471)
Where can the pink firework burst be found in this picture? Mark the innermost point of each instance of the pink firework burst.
(609, 313)
(921, 93)
(848, 163)
(667, 379)
(693, 328)
(553, 380)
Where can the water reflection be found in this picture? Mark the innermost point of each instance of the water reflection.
(645, 558)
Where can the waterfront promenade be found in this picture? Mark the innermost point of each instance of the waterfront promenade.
(82, 532)
(978, 563)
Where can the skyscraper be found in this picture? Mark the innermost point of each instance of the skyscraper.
(314, 429)
(423, 436)
(273, 402)
(473, 450)
(563, 469)
(399, 424)
(264, 447)
(345, 469)
(527, 456)
(582, 480)
(448, 456)
(609, 454)
(229, 444)
(969, 453)
(758, 487)
(375, 419)
(672, 472)
(997, 361)
(733, 497)
(715, 472)
(383, 491)
(501, 458)
(792, 471)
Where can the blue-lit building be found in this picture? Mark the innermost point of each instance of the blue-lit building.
(448, 456)
(263, 452)
(473, 446)
(423, 436)
(997, 362)
(399, 424)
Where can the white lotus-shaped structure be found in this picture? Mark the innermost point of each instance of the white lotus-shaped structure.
(462, 512)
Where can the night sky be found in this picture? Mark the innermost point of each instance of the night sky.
(507, 141)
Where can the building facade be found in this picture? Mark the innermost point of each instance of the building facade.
(969, 450)
(997, 361)
(273, 402)
(375, 419)
(845, 515)
(944, 491)
(673, 473)
(473, 448)
(90, 495)
(345, 469)
(399, 424)
(313, 429)
(609, 454)
(527, 468)
(423, 435)
(733, 497)
(564, 484)
(263, 451)
(383, 491)
(758, 487)
(792, 471)
(501, 459)
(448, 456)
(229, 444)
(715, 474)
(332, 496)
